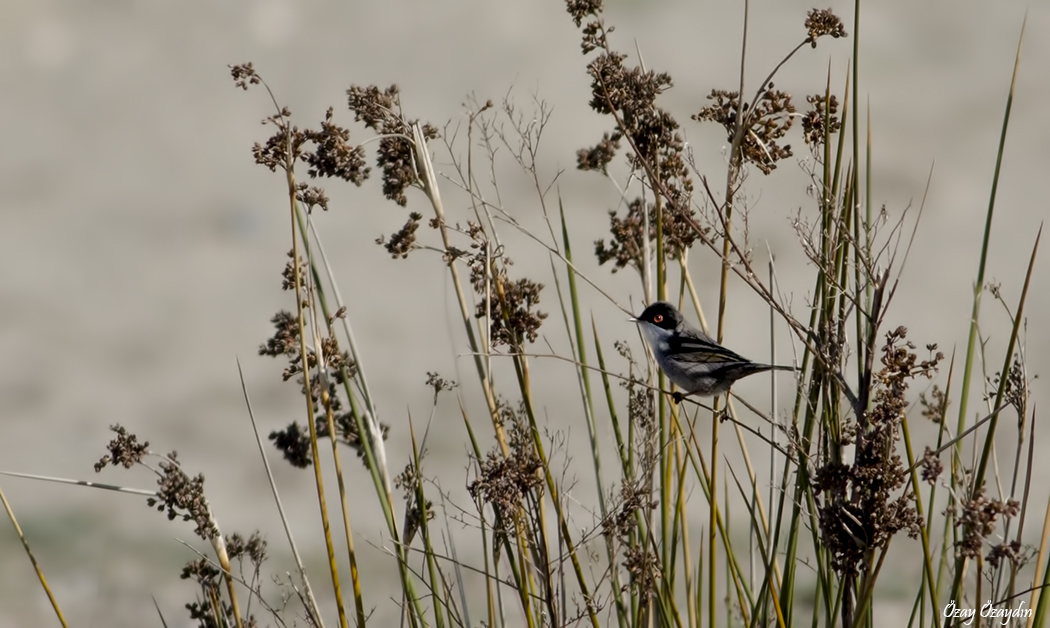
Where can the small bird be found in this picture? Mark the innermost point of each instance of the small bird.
(691, 360)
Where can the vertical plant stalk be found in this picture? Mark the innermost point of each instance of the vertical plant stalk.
(312, 608)
(428, 180)
(731, 409)
(732, 174)
(666, 433)
(36, 566)
(521, 368)
(373, 430)
(365, 418)
(1039, 601)
(924, 537)
(318, 477)
(218, 544)
(978, 289)
(424, 528)
(351, 553)
(583, 373)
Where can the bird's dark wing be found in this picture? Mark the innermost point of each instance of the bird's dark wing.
(688, 348)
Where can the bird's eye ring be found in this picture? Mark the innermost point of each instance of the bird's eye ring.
(659, 318)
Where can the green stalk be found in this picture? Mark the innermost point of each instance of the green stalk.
(583, 373)
(424, 526)
(318, 479)
(978, 289)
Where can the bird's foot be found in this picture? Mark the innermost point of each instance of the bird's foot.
(678, 397)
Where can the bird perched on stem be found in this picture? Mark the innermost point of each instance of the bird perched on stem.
(690, 358)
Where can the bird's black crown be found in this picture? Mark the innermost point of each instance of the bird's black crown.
(661, 314)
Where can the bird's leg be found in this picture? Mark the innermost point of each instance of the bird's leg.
(723, 413)
(678, 397)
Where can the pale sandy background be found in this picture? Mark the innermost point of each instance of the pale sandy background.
(140, 247)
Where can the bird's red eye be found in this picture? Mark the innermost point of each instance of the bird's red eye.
(659, 318)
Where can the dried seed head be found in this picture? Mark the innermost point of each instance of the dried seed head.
(820, 120)
(244, 75)
(820, 22)
(599, 156)
(932, 467)
(765, 125)
(404, 240)
(380, 110)
(332, 154)
(183, 496)
(311, 196)
(124, 450)
(580, 9)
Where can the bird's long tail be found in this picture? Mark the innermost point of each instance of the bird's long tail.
(762, 368)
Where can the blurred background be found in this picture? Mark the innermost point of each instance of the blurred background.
(141, 248)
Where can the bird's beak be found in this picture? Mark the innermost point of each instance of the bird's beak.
(634, 319)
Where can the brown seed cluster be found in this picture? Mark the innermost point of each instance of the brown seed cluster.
(125, 450)
(284, 147)
(820, 22)
(327, 151)
(404, 240)
(346, 431)
(177, 493)
(638, 559)
(244, 75)
(628, 95)
(183, 496)
(380, 110)
(1012, 552)
(254, 548)
(935, 405)
(440, 384)
(507, 483)
(311, 196)
(285, 342)
(821, 120)
(644, 566)
(978, 518)
(764, 125)
(409, 481)
(294, 443)
(599, 156)
(580, 10)
(333, 156)
(510, 303)
(294, 440)
(633, 498)
(204, 571)
(860, 506)
(288, 274)
(932, 467)
(1015, 392)
(627, 246)
(641, 406)
(208, 577)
